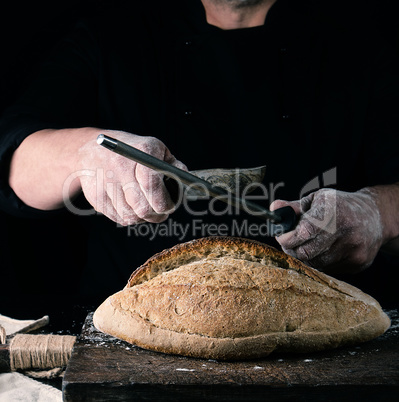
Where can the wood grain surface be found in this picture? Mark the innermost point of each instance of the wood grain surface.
(103, 368)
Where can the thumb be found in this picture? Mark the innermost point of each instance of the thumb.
(277, 204)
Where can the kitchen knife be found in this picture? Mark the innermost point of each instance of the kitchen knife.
(282, 220)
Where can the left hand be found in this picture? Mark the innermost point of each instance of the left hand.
(337, 231)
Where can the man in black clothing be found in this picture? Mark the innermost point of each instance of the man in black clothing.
(217, 83)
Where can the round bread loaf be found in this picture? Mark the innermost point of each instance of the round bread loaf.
(233, 298)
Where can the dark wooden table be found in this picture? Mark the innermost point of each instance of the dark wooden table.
(103, 368)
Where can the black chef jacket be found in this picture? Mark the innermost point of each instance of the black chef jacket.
(305, 94)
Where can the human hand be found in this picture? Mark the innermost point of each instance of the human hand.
(121, 189)
(337, 231)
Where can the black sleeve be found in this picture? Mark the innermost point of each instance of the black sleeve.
(63, 94)
(382, 125)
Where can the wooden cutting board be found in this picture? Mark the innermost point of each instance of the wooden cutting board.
(103, 368)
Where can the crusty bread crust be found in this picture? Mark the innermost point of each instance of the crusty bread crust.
(233, 298)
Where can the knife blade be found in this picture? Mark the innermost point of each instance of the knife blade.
(282, 220)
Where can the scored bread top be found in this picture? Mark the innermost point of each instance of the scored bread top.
(239, 248)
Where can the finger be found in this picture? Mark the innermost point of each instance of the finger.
(153, 188)
(138, 202)
(314, 248)
(125, 212)
(277, 204)
(322, 261)
(100, 202)
(303, 232)
(158, 149)
(151, 182)
(312, 221)
(168, 157)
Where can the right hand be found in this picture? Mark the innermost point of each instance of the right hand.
(337, 231)
(123, 190)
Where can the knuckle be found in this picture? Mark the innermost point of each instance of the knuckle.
(151, 145)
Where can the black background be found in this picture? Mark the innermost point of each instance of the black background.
(40, 259)
(39, 264)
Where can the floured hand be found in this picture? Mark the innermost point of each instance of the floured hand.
(121, 189)
(337, 231)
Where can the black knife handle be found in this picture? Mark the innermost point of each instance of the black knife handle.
(289, 219)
